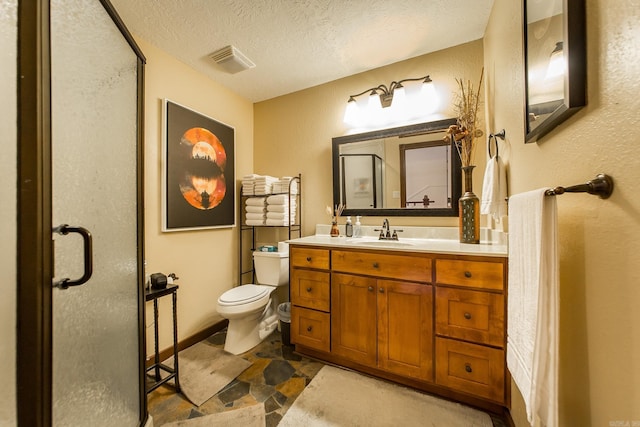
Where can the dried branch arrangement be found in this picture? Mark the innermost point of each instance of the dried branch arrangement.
(465, 132)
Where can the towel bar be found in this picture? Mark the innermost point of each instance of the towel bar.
(601, 185)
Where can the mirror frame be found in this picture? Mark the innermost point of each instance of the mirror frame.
(575, 80)
(410, 130)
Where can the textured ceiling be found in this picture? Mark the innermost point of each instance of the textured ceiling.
(297, 44)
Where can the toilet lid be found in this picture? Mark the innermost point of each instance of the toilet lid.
(243, 294)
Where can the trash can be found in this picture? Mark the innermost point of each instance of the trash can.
(284, 314)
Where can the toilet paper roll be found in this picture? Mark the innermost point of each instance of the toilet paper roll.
(283, 247)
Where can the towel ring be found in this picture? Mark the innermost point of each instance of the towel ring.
(495, 137)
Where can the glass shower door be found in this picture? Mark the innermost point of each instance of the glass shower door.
(96, 365)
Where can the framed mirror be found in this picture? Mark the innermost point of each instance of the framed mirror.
(555, 63)
(403, 171)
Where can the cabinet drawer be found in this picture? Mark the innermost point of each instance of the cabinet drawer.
(404, 267)
(476, 274)
(310, 328)
(470, 315)
(310, 289)
(311, 258)
(471, 368)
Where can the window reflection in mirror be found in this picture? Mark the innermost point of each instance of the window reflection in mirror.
(425, 181)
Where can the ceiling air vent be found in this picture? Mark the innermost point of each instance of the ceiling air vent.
(232, 60)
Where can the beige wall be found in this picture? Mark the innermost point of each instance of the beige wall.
(599, 239)
(205, 260)
(293, 132)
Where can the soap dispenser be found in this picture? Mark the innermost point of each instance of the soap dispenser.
(357, 230)
(348, 228)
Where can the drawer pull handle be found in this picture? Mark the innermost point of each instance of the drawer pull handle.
(308, 259)
(309, 328)
(309, 289)
(467, 315)
(376, 265)
(381, 290)
(370, 288)
(467, 274)
(467, 367)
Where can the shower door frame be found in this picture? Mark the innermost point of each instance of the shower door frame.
(34, 223)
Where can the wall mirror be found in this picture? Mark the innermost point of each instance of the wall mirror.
(403, 171)
(555, 63)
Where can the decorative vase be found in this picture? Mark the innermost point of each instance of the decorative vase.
(335, 231)
(469, 210)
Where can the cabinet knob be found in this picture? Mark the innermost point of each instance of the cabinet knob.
(467, 274)
(467, 367)
(370, 288)
(308, 259)
(309, 328)
(309, 289)
(381, 290)
(376, 265)
(467, 315)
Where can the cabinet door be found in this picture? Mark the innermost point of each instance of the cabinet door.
(405, 328)
(353, 318)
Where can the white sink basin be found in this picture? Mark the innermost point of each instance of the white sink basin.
(381, 243)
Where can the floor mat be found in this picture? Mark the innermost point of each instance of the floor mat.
(337, 397)
(205, 369)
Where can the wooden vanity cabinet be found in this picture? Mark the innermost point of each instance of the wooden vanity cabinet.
(380, 322)
(309, 287)
(435, 322)
(470, 326)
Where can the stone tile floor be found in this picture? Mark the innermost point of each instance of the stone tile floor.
(275, 379)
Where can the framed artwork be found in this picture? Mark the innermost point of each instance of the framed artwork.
(198, 177)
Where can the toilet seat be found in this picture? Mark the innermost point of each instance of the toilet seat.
(244, 294)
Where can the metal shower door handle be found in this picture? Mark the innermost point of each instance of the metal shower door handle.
(65, 229)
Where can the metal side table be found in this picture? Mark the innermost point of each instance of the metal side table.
(154, 294)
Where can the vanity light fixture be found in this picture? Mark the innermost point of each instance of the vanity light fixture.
(556, 62)
(392, 103)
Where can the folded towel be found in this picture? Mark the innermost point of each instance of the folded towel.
(255, 209)
(281, 208)
(280, 215)
(278, 199)
(279, 222)
(256, 201)
(254, 222)
(494, 189)
(250, 215)
(532, 332)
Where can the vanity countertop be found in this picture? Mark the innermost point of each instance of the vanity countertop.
(441, 244)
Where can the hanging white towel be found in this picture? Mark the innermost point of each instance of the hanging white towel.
(494, 189)
(532, 334)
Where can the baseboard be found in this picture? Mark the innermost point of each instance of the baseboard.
(189, 341)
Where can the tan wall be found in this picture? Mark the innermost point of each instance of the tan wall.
(599, 239)
(293, 132)
(205, 260)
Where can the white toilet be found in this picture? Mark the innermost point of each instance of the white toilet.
(252, 309)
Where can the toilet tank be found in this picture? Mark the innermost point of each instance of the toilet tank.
(272, 268)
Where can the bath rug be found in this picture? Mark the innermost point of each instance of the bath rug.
(337, 397)
(204, 370)
(251, 416)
